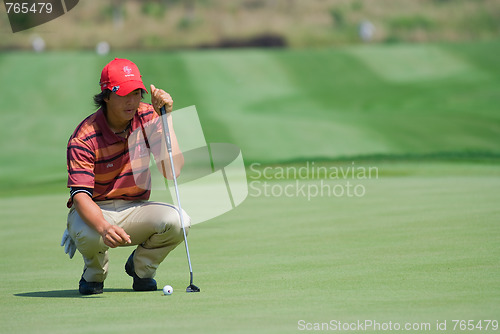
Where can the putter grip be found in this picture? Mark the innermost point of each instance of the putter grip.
(165, 128)
(163, 111)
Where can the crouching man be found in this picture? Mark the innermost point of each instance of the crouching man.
(107, 208)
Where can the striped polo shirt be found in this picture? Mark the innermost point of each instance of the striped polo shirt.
(98, 160)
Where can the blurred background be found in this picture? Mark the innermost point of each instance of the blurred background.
(182, 24)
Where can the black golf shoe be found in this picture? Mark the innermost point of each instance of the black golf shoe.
(90, 288)
(140, 284)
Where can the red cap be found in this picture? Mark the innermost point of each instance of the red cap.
(121, 76)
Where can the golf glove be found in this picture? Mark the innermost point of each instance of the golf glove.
(69, 244)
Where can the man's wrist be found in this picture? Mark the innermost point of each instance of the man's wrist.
(103, 228)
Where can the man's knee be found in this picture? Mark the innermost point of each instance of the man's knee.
(87, 240)
(173, 224)
(89, 244)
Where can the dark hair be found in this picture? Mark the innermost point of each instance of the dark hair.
(99, 98)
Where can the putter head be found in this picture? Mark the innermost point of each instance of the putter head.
(192, 288)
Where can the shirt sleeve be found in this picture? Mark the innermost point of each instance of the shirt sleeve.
(75, 190)
(153, 134)
(80, 164)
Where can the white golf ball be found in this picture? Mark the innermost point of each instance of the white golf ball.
(167, 290)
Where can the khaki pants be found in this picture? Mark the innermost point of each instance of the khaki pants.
(154, 227)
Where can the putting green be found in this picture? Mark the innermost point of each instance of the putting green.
(421, 245)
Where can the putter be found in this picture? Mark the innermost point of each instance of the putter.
(166, 132)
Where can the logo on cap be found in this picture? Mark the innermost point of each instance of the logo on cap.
(115, 89)
(128, 71)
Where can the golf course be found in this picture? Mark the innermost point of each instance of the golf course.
(373, 192)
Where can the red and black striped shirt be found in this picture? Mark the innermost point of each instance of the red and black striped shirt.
(98, 160)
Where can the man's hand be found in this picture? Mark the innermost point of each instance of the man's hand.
(68, 244)
(160, 98)
(114, 236)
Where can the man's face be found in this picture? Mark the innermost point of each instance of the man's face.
(123, 108)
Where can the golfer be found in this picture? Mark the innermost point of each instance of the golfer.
(107, 207)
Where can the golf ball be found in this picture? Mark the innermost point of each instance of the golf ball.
(167, 290)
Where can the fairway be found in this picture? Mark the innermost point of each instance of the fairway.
(276, 105)
(417, 242)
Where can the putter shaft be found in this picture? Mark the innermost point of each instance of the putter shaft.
(191, 287)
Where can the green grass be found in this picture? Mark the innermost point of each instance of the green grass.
(421, 244)
(276, 105)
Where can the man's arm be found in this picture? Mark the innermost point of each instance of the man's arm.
(112, 235)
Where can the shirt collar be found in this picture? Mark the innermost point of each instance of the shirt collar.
(109, 136)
